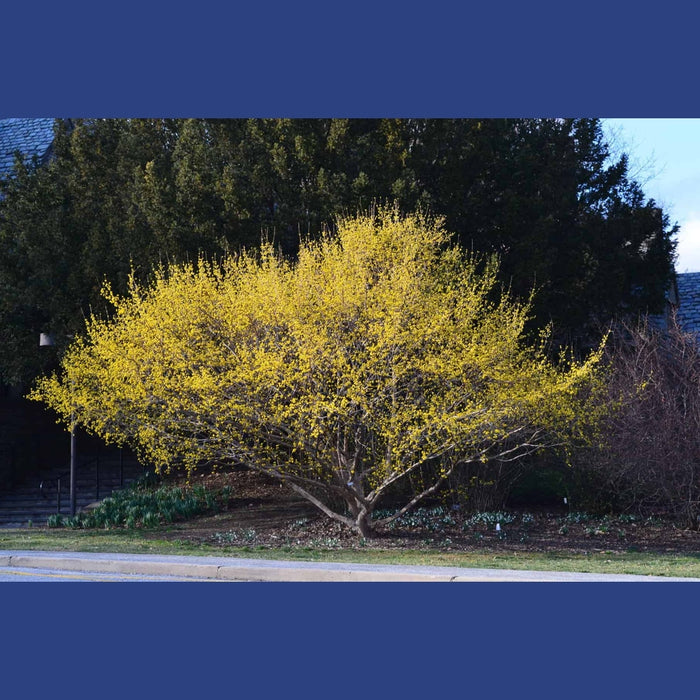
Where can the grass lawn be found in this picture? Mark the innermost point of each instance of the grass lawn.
(148, 541)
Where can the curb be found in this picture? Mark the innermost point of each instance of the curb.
(219, 570)
(258, 570)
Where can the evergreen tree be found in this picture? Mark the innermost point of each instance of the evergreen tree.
(544, 195)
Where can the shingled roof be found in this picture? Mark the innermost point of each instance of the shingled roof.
(31, 137)
(688, 312)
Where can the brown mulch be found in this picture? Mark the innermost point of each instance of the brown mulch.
(264, 513)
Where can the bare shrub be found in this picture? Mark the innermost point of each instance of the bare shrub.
(650, 456)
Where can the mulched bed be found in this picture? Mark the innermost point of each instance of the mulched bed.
(264, 513)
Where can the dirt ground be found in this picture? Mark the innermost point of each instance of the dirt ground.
(264, 513)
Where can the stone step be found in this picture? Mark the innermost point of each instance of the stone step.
(38, 514)
(96, 478)
(49, 490)
(84, 491)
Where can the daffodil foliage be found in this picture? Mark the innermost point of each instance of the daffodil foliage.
(382, 350)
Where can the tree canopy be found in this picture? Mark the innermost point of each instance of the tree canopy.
(545, 195)
(382, 350)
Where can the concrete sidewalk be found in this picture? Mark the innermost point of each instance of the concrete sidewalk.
(233, 569)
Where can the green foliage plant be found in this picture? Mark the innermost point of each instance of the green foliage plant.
(144, 505)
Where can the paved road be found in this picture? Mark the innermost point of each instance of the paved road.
(128, 567)
(26, 574)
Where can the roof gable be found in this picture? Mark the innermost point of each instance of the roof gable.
(31, 137)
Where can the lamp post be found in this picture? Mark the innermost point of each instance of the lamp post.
(72, 464)
(46, 339)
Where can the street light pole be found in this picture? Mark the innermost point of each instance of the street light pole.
(45, 339)
(72, 465)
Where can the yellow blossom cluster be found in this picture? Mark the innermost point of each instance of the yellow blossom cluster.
(380, 350)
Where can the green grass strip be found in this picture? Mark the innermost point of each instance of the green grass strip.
(142, 541)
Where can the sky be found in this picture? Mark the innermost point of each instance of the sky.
(665, 160)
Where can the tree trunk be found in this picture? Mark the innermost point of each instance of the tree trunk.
(364, 526)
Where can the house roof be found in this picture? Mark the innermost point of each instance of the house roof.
(688, 312)
(31, 137)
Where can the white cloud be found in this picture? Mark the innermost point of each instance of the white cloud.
(689, 246)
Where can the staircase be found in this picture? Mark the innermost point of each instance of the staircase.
(47, 491)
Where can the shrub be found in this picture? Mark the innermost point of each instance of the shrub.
(382, 352)
(650, 458)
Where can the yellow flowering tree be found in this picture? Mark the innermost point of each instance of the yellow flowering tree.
(382, 350)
